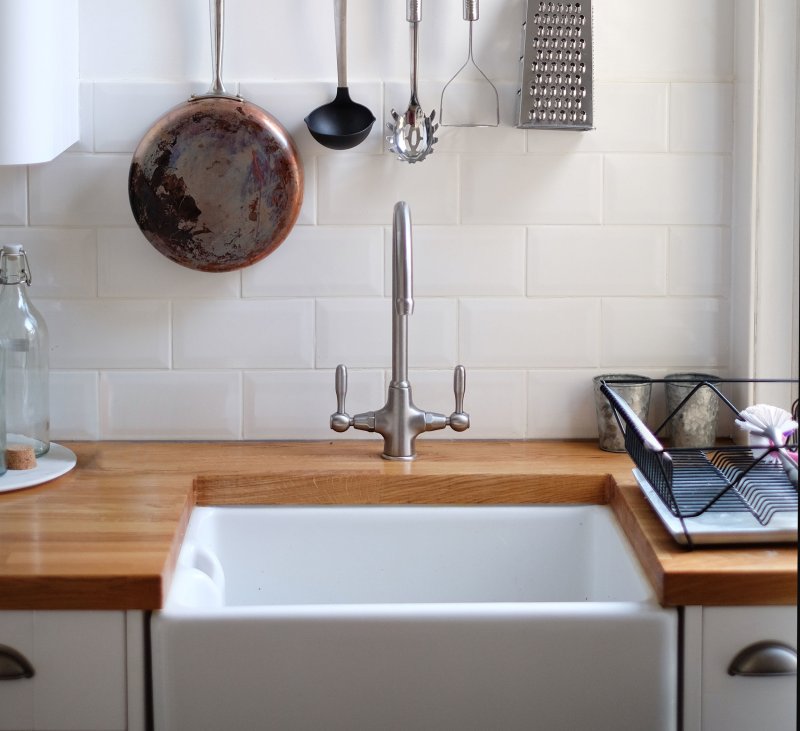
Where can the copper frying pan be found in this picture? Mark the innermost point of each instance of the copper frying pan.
(216, 184)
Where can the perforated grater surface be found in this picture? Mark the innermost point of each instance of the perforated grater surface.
(556, 66)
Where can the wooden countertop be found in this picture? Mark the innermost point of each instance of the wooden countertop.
(106, 535)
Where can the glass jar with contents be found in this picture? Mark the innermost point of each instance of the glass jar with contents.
(23, 338)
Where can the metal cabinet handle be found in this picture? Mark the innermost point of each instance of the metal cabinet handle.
(14, 665)
(765, 659)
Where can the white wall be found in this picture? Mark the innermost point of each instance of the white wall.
(541, 258)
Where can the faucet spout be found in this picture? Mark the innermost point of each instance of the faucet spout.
(402, 290)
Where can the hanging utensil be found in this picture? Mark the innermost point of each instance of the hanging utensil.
(342, 123)
(412, 134)
(216, 184)
(481, 91)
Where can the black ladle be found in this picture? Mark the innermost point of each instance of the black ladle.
(342, 123)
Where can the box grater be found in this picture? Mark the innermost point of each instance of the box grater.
(556, 66)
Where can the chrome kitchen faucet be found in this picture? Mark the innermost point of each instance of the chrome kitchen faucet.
(399, 422)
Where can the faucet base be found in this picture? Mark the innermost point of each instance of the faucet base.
(398, 459)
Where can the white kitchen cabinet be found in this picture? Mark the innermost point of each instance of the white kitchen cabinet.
(39, 70)
(89, 671)
(713, 699)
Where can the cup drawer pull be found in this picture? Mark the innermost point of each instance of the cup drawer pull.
(765, 659)
(13, 664)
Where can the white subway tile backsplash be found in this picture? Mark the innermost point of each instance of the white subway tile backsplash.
(320, 261)
(699, 264)
(531, 189)
(530, 333)
(13, 195)
(357, 332)
(667, 189)
(663, 332)
(661, 41)
(298, 404)
(74, 405)
(243, 334)
(701, 118)
(354, 332)
(63, 261)
(171, 405)
(595, 260)
(561, 404)
(81, 190)
(107, 334)
(146, 40)
(129, 266)
(633, 119)
(123, 112)
(451, 261)
(362, 189)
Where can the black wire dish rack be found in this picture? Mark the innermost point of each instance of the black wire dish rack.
(720, 494)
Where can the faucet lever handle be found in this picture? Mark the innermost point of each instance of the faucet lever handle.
(340, 421)
(459, 386)
(459, 420)
(341, 386)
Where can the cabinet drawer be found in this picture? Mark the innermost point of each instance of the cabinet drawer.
(741, 703)
(79, 664)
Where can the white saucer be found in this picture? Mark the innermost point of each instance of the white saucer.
(58, 461)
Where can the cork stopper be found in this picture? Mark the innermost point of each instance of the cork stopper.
(20, 457)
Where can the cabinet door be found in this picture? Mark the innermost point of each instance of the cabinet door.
(80, 671)
(740, 703)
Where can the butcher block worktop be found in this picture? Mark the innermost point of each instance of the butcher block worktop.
(106, 535)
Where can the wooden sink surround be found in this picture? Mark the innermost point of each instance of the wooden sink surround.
(106, 535)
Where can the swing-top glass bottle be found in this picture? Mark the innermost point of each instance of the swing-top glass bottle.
(23, 337)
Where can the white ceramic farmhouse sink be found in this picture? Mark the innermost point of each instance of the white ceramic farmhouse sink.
(529, 617)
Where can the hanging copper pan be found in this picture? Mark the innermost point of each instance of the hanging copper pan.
(216, 184)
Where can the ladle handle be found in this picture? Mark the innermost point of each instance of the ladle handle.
(471, 10)
(340, 18)
(217, 9)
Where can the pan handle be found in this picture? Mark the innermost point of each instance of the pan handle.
(217, 10)
(217, 88)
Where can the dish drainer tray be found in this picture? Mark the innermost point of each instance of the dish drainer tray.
(721, 494)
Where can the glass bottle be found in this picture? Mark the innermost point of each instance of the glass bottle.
(23, 337)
